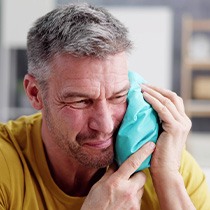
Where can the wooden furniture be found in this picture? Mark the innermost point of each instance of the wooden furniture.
(195, 72)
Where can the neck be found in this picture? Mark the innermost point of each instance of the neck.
(70, 176)
(71, 179)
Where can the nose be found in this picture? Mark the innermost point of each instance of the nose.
(101, 118)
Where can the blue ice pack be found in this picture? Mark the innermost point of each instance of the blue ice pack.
(140, 124)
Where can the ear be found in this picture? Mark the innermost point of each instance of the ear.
(33, 92)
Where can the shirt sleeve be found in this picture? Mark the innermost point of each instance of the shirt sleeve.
(195, 182)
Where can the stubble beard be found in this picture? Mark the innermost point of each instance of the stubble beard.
(74, 149)
(86, 157)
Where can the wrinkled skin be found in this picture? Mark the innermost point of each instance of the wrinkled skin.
(82, 108)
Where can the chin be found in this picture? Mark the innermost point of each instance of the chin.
(102, 160)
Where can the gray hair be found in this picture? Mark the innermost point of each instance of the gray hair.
(77, 29)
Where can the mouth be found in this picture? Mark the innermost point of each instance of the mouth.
(99, 144)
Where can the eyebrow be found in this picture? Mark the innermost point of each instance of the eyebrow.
(87, 95)
(125, 89)
(75, 94)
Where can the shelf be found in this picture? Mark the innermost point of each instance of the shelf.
(201, 25)
(198, 108)
(195, 71)
(198, 64)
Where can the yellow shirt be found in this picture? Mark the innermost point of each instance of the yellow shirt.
(26, 183)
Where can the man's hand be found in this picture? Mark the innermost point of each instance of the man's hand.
(122, 188)
(175, 124)
(166, 158)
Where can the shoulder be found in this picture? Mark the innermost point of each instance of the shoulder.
(195, 181)
(190, 169)
(22, 122)
(14, 141)
(13, 135)
(11, 173)
(9, 159)
(17, 125)
(17, 131)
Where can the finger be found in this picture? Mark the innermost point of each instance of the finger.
(139, 178)
(176, 100)
(135, 160)
(163, 105)
(163, 112)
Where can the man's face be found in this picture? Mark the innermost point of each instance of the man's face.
(85, 105)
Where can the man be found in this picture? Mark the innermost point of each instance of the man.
(62, 158)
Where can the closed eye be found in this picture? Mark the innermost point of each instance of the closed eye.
(81, 104)
(119, 99)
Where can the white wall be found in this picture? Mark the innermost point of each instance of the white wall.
(17, 17)
(151, 31)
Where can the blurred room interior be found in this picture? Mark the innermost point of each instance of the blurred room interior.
(171, 49)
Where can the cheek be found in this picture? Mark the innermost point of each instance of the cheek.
(120, 112)
(73, 119)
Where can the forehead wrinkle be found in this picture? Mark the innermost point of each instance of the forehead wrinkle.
(121, 84)
(83, 90)
(125, 88)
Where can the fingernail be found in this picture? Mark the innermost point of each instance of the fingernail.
(142, 85)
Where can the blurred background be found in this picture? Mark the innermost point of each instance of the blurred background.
(171, 49)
